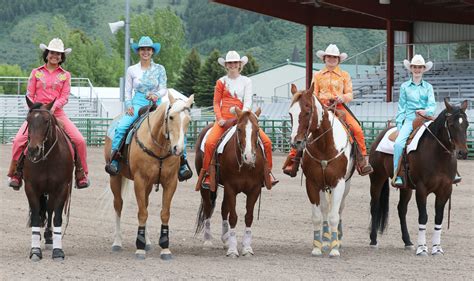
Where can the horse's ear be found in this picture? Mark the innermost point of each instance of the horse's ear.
(311, 88)
(446, 103)
(170, 97)
(293, 89)
(464, 106)
(28, 102)
(258, 112)
(50, 105)
(236, 111)
(190, 101)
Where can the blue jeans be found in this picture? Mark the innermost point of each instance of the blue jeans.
(400, 142)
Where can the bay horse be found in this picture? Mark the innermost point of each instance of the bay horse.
(440, 144)
(328, 165)
(240, 170)
(48, 172)
(153, 158)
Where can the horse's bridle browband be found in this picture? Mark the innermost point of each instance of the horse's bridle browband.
(45, 138)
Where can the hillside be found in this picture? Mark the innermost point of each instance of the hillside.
(208, 25)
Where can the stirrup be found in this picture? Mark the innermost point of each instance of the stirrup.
(184, 173)
(457, 179)
(112, 168)
(397, 182)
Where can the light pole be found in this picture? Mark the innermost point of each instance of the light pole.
(114, 27)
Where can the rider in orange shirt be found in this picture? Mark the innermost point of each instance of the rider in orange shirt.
(332, 85)
(232, 90)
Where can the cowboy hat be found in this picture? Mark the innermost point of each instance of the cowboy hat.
(331, 50)
(418, 60)
(233, 56)
(55, 45)
(146, 41)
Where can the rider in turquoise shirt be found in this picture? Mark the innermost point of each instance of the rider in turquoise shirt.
(416, 97)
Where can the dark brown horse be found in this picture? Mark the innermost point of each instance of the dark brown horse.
(328, 164)
(431, 169)
(240, 170)
(153, 158)
(47, 172)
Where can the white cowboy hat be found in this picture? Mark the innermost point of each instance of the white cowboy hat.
(55, 45)
(233, 56)
(331, 50)
(418, 60)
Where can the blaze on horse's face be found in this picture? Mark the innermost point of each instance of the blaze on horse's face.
(456, 123)
(247, 134)
(39, 121)
(178, 119)
(300, 114)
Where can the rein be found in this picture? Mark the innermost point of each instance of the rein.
(45, 139)
(436, 138)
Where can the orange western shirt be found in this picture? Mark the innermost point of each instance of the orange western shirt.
(232, 92)
(330, 84)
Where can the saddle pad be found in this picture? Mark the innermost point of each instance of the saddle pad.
(224, 141)
(386, 145)
(130, 131)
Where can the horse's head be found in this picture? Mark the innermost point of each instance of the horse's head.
(456, 125)
(177, 118)
(247, 134)
(40, 127)
(305, 111)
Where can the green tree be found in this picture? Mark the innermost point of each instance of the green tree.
(189, 73)
(251, 66)
(164, 27)
(295, 56)
(12, 71)
(462, 51)
(208, 75)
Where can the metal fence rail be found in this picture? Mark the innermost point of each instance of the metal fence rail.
(94, 131)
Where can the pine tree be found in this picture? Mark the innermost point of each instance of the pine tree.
(295, 56)
(251, 66)
(189, 73)
(208, 75)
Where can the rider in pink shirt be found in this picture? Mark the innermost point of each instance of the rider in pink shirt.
(47, 83)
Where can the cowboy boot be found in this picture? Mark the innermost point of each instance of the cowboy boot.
(292, 164)
(397, 180)
(82, 180)
(269, 180)
(201, 182)
(363, 165)
(185, 172)
(112, 168)
(15, 173)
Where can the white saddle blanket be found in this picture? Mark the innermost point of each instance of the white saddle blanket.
(386, 145)
(226, 139)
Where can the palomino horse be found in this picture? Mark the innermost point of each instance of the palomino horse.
(153, 158)
(328, 164)
(240, 169)
(47, 172)
(437, 147)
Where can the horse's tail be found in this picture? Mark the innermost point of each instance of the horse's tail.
(380, 219)
(201, 216)
(43, 200)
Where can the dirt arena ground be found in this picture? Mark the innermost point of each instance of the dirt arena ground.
(282, 238)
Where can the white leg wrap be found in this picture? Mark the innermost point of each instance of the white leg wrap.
(118, 232)
(421, 234)
(436, 239)
(232, 239)
(35, 237)
(57, 238)
(207, 229)
(225, 231)
(247, 239)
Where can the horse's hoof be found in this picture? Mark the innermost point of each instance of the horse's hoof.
(437, 254)
(166, 257)
(35, 257)
(48, 246)
(422, 254)
(409, 247)
(316, 252)
(35, 254)
(140, 254)
(207, 244)
(148, 247)
(58, 254)
(116, 248)
(334, 253)
(247, 252)
(232, 255)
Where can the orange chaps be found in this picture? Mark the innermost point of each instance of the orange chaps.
(214, 136)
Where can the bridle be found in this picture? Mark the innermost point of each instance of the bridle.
(239, 147)
(450, 139)
(45, 138)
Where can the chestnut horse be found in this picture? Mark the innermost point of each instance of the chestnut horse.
(328, 164)
(153, 158)
(47, 172)
(240, 169)
(437, 147)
